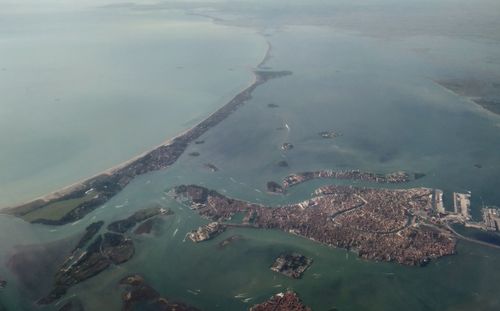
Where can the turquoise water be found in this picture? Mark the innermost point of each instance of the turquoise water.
(380, 94)
(106, 85)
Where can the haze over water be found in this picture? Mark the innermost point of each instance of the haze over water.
(85, 90)
(373, 84)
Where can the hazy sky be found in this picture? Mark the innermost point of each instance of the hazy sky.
(49, 5)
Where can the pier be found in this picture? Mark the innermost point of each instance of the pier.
(491, 218)
(461, 204)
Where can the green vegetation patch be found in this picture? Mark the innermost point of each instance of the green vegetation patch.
(57, 210)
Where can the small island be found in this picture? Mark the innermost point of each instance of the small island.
(145, 228)
(229, 241)
(211, 167)
(292, 265)
(329, 134)
(137, 293)
(288, 301)
(282, 163)
(206, 232)
(390, 178)
(274, 187)
(286, 146)
(122, 226)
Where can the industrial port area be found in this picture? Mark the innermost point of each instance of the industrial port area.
(462, 212)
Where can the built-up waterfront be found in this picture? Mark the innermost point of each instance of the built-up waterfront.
(378, 224)
(375, 91)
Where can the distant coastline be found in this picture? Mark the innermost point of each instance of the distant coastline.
(481, 93)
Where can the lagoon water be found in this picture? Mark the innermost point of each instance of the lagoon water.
(378, 92)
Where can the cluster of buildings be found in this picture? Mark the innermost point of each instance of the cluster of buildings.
(288, 301)
(407, 226)
(396, 177)
(379, 224)
(491, 218)
(292, 265)
(206, 232)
